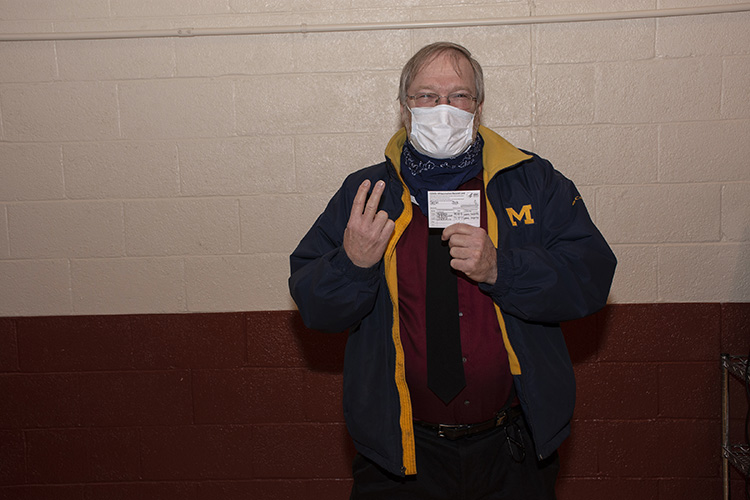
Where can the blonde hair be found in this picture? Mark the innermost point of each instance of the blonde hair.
(430, 52)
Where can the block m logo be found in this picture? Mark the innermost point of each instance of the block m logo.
(525, 215)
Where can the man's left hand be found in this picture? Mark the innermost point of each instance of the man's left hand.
(472, 251)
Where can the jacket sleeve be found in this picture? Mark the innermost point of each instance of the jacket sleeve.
(563, 274)
(331, 293)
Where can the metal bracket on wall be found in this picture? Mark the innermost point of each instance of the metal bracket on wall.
(736, 454)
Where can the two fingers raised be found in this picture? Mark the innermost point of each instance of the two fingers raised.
(369, 229)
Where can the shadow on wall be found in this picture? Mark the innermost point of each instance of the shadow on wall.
(584, 336)
(321, 351)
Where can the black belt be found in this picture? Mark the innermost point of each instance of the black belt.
(455, 431)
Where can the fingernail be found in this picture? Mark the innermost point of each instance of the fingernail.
(381, 183)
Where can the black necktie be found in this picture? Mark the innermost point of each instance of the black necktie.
(445, 370)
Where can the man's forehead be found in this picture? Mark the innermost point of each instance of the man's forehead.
(451, 58)
(444, 64)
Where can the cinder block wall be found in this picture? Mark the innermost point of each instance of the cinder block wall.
(151, 189)
(175, 174)
(222, 406)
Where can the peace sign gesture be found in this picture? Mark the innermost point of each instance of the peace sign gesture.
(368, 230)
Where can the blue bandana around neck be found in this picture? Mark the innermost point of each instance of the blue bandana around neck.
(422, 173)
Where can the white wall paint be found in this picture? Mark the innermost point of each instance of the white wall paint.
(177, 174)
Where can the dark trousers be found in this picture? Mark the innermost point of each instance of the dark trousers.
(495, 465)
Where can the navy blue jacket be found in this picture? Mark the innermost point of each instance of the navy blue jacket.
(553, 266)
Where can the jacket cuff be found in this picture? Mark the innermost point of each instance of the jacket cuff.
(342, 262)
(504, 280)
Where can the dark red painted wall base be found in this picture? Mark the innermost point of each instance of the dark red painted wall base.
(248, 405)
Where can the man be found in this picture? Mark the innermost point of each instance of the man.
(457, 381)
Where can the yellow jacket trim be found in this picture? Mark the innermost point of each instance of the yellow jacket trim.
(515, 366)
(499, 154)
(393, 152)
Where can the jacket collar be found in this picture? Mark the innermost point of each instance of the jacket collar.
(498, 153)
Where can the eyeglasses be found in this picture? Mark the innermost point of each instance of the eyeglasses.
(460, 100)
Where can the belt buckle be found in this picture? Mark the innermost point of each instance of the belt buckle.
(442, 428)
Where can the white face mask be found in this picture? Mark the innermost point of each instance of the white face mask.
(442, 131)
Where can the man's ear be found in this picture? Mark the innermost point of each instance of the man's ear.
(478, 117)
(406, 118)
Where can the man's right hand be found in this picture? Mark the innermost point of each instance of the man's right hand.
(368, 230)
